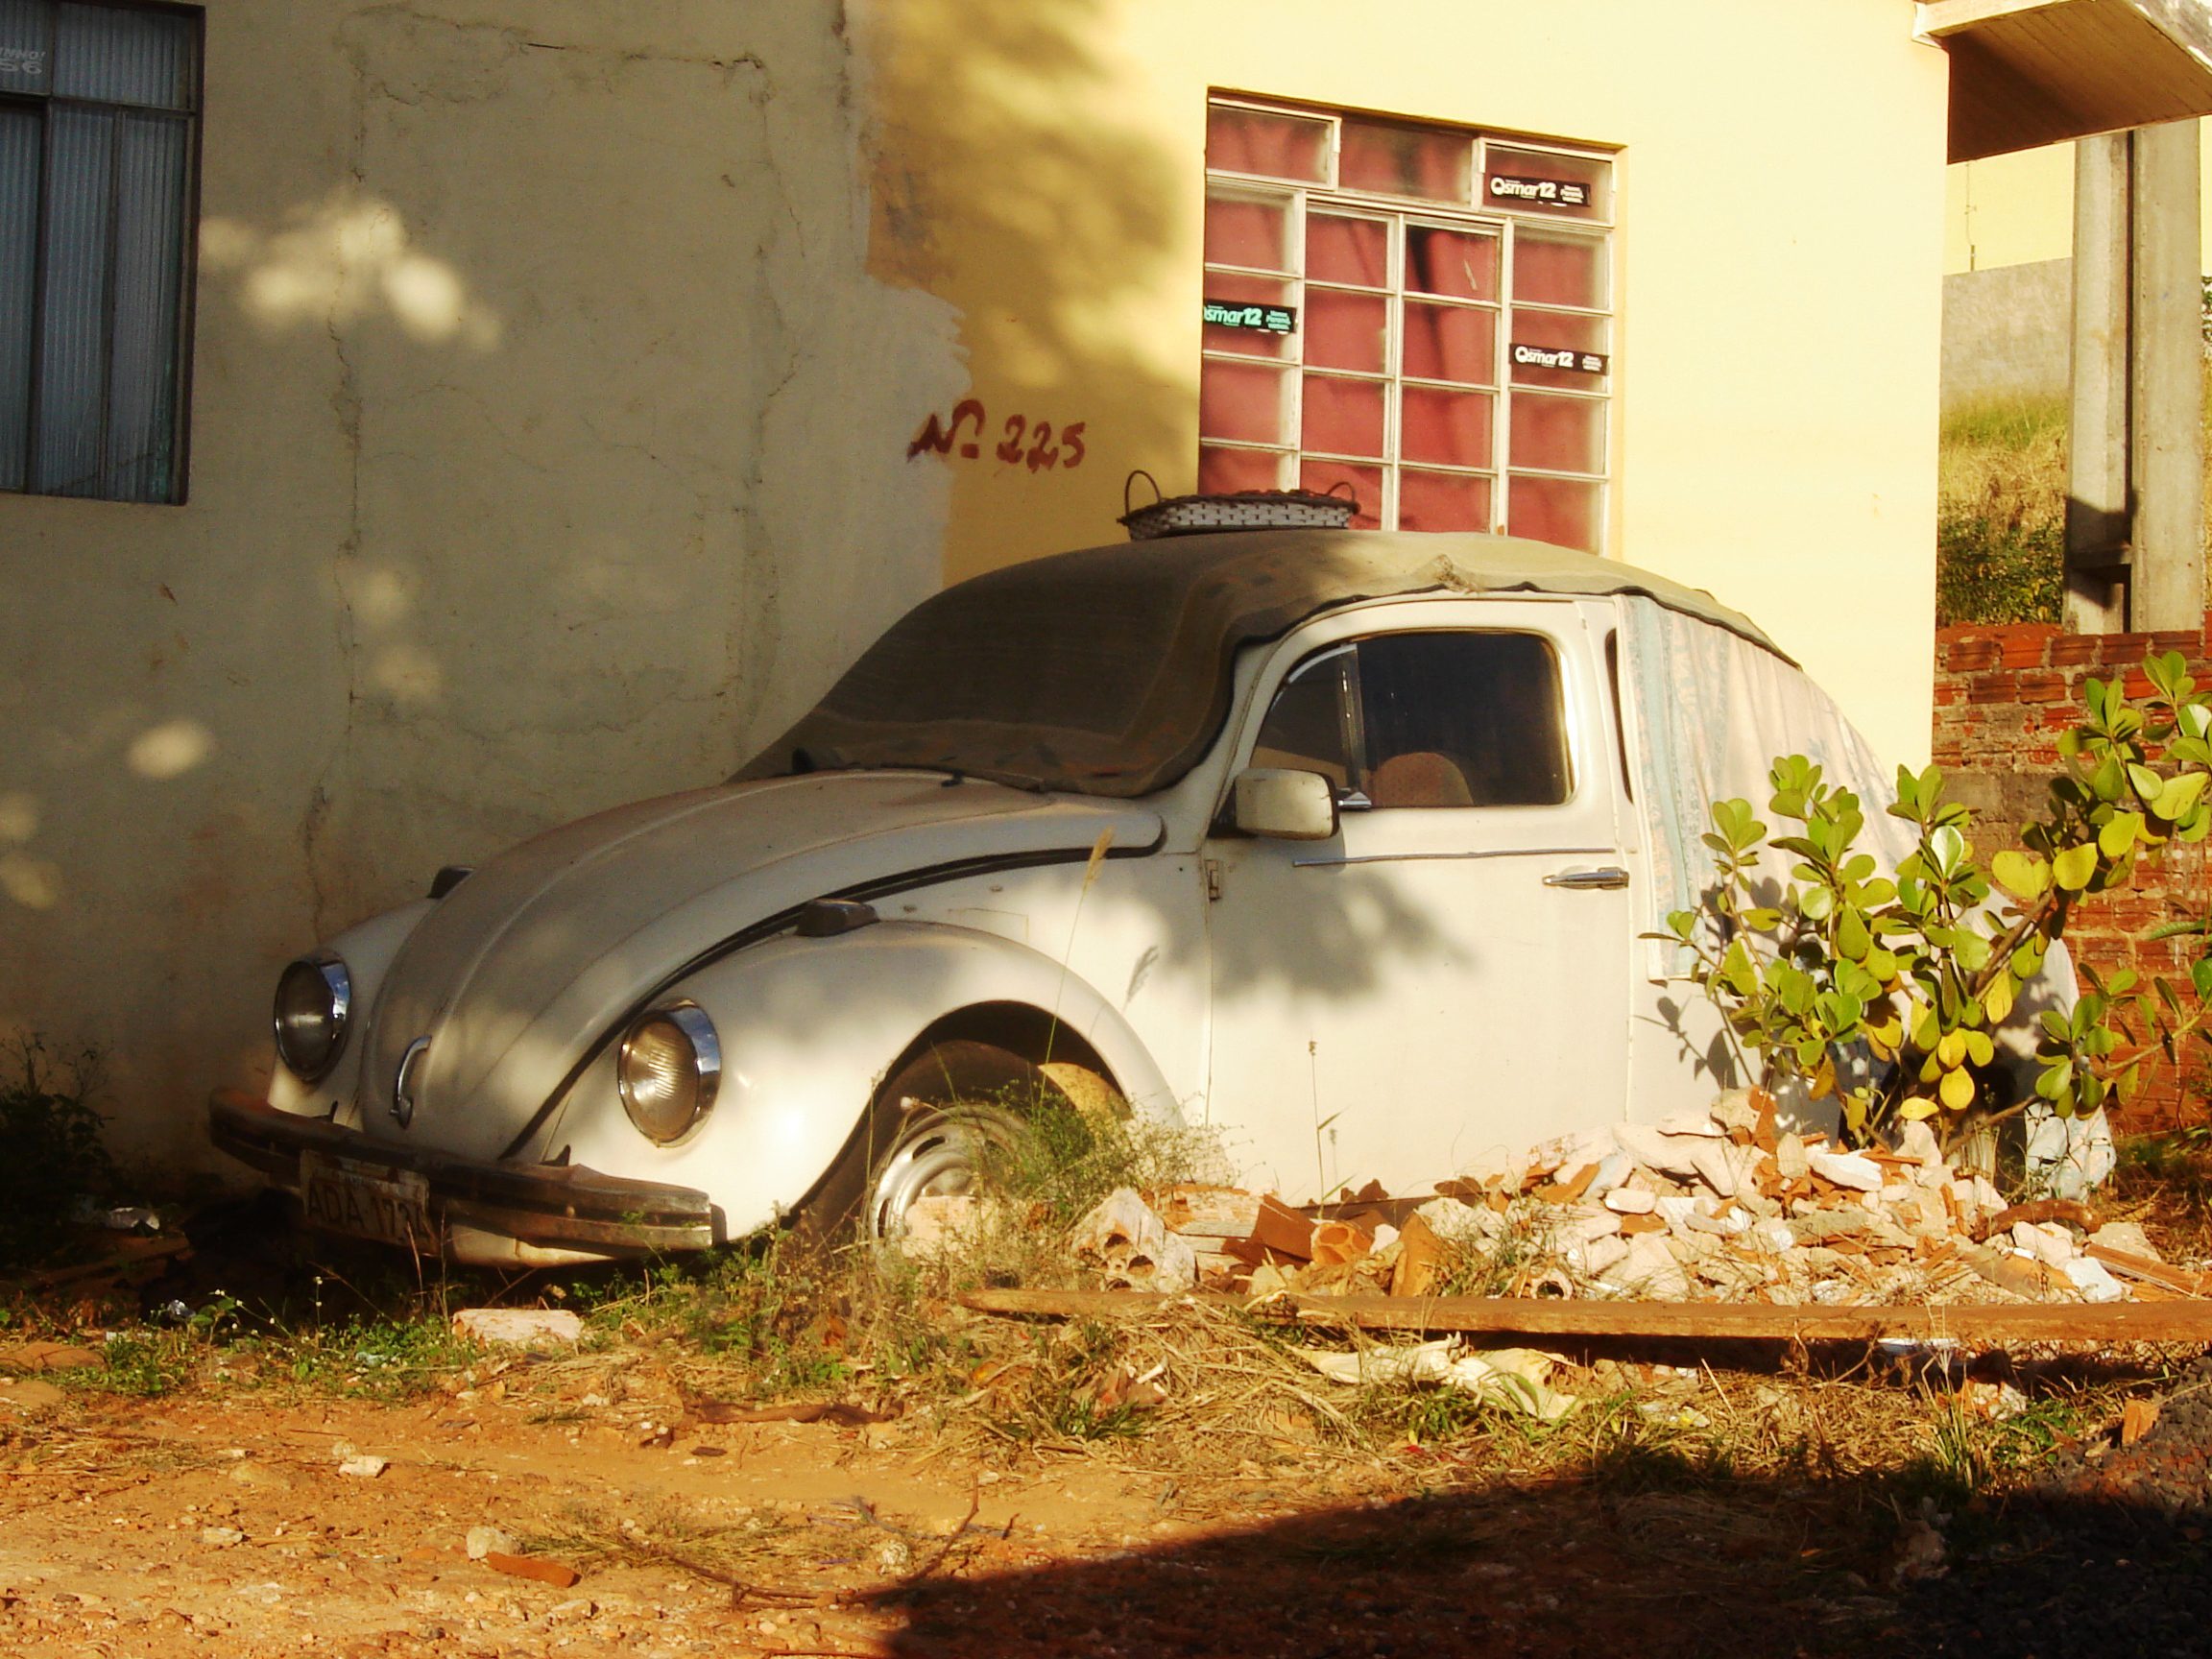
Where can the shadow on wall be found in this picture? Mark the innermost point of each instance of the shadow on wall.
(1013, 178)
(552, 422)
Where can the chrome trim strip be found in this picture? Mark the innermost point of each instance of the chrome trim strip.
(1449, 857)
(403, 1082)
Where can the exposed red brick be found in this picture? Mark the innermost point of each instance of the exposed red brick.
(2072, 648)
(1997, 707)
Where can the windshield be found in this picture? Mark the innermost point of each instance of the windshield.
(1108, 671)
(1068, 684)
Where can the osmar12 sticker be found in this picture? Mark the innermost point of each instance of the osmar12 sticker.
(1559, 357)
(1539, 192)
(1266, 319)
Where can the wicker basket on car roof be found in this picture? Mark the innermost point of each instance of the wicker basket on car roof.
(1244, 510)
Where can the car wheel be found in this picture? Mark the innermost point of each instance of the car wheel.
(940, 1127)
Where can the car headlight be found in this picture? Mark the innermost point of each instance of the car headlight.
(313, 998)
(669, 1069)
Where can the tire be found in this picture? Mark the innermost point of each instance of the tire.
(935, 1128)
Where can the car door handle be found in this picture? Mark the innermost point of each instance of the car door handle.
(1612, 875)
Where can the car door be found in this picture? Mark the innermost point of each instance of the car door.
(1447, 975)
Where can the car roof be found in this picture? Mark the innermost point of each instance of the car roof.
(1108, 670)
(1258, 584)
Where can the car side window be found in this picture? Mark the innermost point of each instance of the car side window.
(1426, 720)
(1310, 726)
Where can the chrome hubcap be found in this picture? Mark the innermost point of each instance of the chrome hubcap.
(937, 1155)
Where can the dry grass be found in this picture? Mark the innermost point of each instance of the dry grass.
(2001, 513)
(2164, 1182)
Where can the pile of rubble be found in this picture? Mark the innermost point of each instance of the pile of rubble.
(1717, 1206)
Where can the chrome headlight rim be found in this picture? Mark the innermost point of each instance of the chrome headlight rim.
(697, 1030)
(336, 1020)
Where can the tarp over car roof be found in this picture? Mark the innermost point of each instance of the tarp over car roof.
(1107, 671)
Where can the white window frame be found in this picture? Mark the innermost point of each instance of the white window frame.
(1401, 213)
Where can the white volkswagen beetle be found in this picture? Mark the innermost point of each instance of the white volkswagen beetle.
(1266, 830)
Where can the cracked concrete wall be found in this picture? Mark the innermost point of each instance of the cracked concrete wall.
(548, 437)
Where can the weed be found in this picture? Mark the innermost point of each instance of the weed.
(51, 1153)
(147, 1363)
(2001, 513)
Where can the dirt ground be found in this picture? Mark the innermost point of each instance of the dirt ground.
(201, 1524)
(212, 1511)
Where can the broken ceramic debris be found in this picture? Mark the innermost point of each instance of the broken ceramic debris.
(1514, 1376)
(1724, 1206)
(519, 1327)
(1134, 1246)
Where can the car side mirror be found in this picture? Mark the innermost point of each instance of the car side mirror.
(1284, 805)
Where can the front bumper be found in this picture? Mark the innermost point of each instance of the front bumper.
(480, 1207)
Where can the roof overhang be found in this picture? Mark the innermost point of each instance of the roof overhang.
(2031, 72)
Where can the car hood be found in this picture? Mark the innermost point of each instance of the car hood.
(522, 971)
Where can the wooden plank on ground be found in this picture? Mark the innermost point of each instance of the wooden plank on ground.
(2175, 1321)
(2160, 1273)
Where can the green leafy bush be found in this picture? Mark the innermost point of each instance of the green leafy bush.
(1810, 966)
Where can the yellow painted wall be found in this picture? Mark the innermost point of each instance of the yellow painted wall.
(1042, 170)
(2018, 209)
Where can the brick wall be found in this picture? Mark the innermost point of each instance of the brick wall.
(2003, 694)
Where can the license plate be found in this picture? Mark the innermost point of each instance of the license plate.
(363, 1201)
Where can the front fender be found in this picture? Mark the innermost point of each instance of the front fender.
(808, 1029)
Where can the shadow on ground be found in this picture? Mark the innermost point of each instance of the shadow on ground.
(1728, 1568)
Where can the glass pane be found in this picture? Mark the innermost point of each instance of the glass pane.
(1451, 429)
(1305, 725)
(1537, 182)
(1442, 501)
(1451, 343)
(1559, 349)
(1342, 417)
(1364, 484)
(1561, 510)
(1263, 143)
(1460, 264)
(1243, 402)
(125, 57)
(1235, 289)
(1248, 231)
(1559, 434)
(1406, 161)
(1560, 270)
(149, 271)
(1225, 472)
(72, 364)
(1463, 720)
(1346, 330)
(1340, 250)
(26, 54)
(18, 262)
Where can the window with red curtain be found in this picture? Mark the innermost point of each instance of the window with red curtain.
(1422, 315)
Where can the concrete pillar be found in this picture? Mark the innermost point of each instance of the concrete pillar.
(2097, 484)
(2167, 390)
